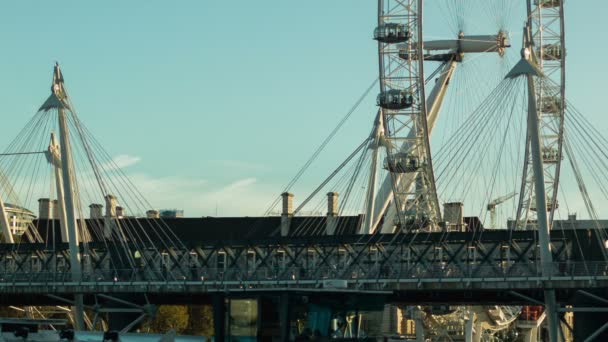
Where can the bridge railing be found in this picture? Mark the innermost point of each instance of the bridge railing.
(310, 276)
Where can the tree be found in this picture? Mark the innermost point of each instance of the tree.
(170, 317)
(201, 320)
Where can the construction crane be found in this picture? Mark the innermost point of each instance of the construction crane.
(492, 207)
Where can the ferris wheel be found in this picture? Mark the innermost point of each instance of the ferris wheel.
(409, 199)
(410, 106)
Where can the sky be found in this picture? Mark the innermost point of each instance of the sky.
(212, 106)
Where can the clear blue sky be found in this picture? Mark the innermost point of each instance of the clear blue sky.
(217, 99)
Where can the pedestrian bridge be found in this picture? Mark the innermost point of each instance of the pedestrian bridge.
(432, 265)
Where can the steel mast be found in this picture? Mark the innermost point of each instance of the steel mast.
(59, 100)
(526, 67)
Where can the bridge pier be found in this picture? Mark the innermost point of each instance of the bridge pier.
(284, 316)
(219, 317)
(531, 335)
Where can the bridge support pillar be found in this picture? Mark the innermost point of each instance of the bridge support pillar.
(468, 328)
(418, 317)
(219, 317)
(284, 316)
(531, 335)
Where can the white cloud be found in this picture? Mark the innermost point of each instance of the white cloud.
(122, 161)
(199, 197)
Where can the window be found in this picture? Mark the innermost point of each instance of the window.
(221, 260)
(279, 259)
(471, 254)
(341, 262)
(251, 262)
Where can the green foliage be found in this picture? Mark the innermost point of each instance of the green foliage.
(170, 317)
(201, 320)
(191, 320)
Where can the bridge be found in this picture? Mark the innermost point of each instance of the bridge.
(387, 245)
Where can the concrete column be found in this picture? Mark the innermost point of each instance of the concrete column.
(418, 317)
(530, 335)
(219, 317)
(287, 213)
(468, 328)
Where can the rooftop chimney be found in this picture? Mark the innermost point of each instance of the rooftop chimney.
(332, 213)
(453, 215)
(287, 213)
(287, 203)
(45, 208)
(95, 211)
(110, 206)
(56, 207)
(152, 214)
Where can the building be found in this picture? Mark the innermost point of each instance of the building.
(18, 218)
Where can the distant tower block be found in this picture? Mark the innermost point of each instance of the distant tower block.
(120, 211)
(96, 211)
(45, 209)
(332, 213)
(453, 215)
(287, 213)
(110, 206)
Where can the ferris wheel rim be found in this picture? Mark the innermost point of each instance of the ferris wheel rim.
(414, 19)
(524, 204)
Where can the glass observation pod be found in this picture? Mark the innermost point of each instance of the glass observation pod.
(548, 3)
(402, 163)
(551, 52)
(395, 99)
(551, 104)
(392, 33)
(550, 155)
(414, 222)
(549, 204)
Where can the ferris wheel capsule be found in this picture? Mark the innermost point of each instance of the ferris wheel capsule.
(550, 155)
(402, 163)
(551, 104)
(392, 33)
(550, 206)
(548, 3)
(395, 99)
(551, 52)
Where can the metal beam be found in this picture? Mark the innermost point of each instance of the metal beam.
(524, 297)
(596, 333)
(592, 296)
